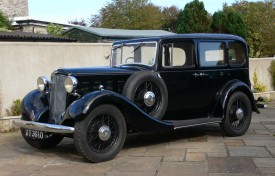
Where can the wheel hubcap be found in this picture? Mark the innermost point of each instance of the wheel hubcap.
(239, 114)
(104, 133)
(149, 98)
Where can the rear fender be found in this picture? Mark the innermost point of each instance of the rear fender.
(226, 92)
(35, 107)
(134, 117)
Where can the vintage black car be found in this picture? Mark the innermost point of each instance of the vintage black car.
(152, 84)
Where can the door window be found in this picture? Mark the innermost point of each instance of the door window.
(178, 54)
(212, 54)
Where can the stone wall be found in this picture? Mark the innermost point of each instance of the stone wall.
(261, 66)
(14, 8)
(21, 63)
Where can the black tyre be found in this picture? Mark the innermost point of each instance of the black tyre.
(101, 135)
(238, 115)
(50, 142)
(148, 91)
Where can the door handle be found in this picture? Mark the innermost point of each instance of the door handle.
(203, 74)
(199, 75)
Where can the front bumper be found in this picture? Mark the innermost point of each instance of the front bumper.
(43, 126)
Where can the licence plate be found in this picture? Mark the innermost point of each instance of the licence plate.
(35, 134)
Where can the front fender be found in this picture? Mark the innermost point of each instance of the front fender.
(134, 116)
(35, 106)
(226, 92)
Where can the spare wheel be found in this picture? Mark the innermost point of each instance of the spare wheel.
(148, 91)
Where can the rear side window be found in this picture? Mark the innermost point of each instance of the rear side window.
(212, 54)
(236, 53)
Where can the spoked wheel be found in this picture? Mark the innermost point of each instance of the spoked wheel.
(238, 115)
(148, 97)
(148, 91)
(101, 135)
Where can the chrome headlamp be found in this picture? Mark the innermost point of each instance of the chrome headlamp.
(42, 83)
(70, 84)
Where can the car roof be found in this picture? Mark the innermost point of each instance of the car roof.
(186, 36)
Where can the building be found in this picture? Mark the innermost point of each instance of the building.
(14, 8)
(28, 24)
(91, 34)
(31, 37)
(18, 12)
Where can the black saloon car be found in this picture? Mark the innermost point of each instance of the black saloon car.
(152, 84)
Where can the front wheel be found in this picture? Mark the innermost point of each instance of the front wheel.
(101, 135)
(238, 115)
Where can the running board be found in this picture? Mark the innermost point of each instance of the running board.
(194, 122)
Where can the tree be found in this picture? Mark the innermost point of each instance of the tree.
(129, 14)
(230, 22)
(5, 24)
(79, 22)
(170, 16)
(193, 18)
(259, 19)
(54, 29)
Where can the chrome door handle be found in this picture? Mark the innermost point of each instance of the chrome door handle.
(199, 75)
(203, 74)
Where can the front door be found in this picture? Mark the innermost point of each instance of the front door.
(178, 70)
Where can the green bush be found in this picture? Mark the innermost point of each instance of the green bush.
(257, 85)
(14, 109)
(272, 72)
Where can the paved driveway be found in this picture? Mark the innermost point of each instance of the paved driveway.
(194, 151)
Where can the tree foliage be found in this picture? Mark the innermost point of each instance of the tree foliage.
(259, 19)
(193, 18)
(170, 16)
(229, 22)
(129, 14)
(79, 22)
(54, 29)
(5, 24)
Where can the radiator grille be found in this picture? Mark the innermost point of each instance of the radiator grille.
(58, 97)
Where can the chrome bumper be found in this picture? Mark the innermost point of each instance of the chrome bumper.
(43, 126)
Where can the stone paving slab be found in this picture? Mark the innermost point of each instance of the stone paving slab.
(198, 151)
(231, 165)
(249, 151)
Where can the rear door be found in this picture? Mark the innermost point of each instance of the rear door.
(213, 72)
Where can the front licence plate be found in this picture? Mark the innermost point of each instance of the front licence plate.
(35, 134)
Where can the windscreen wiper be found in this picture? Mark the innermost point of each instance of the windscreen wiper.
(140, 45)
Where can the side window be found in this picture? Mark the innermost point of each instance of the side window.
(178, 54)
(212, 54)
(236, 53)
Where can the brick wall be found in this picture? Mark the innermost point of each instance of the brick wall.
(14, 8)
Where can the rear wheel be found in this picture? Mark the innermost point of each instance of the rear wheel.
(238, 115)
(101, 135)
(50, 141)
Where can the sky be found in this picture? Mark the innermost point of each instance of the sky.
(62, 11)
